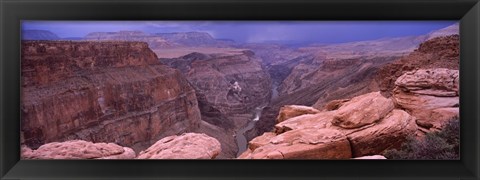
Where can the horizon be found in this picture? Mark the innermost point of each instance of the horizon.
(282, 32)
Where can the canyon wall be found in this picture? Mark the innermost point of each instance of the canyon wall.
(229, 86)
(102, 92)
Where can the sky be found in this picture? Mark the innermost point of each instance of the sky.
(252, 31)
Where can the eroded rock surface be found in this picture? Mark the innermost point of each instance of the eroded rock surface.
(389, 130)
(303, 144)
(431, 95)
(289, 111)
(185, 146)
(363, 110)
(102, 92)
(78, 149)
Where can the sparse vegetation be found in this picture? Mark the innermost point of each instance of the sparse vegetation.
(441, 145)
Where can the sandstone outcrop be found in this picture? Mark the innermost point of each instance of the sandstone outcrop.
(431, 95)
(439, 52)
(185, 146)
(102, 92)
(371, 157)
(303, 144)
(362, 110)
(389, 130)
(289, 111)
(78, 149)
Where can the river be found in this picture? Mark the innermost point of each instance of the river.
(240, 135)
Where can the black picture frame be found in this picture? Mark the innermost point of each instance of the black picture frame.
(13, 11)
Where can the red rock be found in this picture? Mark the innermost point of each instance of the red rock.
(431, 95)
(390, 132)
(304, 144)
(440, 52)
(290, 111)
(371, 157)
(102, 92)
(335, 104)
(362, 110)
(185, 146)
(260, 140)
(78, 149)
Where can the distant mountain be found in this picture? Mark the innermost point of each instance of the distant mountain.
(152, 40)
(38, 35)
(379, 47)
(162, 40)
(450, 30)
(194, 39)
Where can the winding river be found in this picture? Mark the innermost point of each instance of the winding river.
(240, 135)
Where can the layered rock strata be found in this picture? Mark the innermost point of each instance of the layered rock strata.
(102, 92)
(229, 86)
(320, 136)
(431, 95)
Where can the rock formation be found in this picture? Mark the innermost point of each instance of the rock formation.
(185, 146)
(78, 149)
(431, 95)
(440, 52)
(289, 111)
(321, 136)
(371, 157)
(229, 86)
(102, 92)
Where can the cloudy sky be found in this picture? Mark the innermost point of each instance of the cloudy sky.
(252, 31)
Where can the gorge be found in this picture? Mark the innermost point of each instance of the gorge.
(131, 94)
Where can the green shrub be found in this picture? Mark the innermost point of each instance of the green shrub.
(440, 145)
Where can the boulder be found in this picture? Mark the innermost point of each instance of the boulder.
(260, 140)
(431, 95)
(441, 81)
(390, 132)
(304, 144)
(320, 121)
(335, 104)
(372, 157)
(362, 110)
(289, 111)
(78, 149)
(185, 146)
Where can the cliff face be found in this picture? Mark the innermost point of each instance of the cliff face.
(229, 87)
(102, 92)
(439, 52)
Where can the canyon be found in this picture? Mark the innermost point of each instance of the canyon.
(131, 94)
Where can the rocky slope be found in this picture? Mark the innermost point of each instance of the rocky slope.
(355, 129)
(229, 86)
(102, 92)
(439, 52)
(330, 76)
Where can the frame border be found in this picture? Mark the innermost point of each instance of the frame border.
(13, 11)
